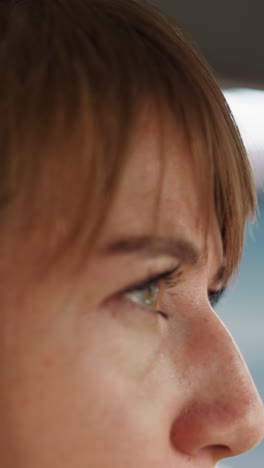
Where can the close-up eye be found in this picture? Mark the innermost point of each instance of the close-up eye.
(146, 293)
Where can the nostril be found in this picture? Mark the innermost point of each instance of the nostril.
(221, 429)
(219, 451)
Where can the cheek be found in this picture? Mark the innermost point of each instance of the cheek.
(73, 390)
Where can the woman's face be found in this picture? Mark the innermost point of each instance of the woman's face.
(92, 377)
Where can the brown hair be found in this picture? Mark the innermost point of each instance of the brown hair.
(74, 75)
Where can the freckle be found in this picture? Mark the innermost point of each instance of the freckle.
(48, 363)
(17, 380)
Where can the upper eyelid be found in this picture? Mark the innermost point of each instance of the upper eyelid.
(171, 275)
(151, 278)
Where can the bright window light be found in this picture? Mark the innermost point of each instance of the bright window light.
(247, 106)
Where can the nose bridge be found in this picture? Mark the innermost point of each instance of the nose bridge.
(223, 408)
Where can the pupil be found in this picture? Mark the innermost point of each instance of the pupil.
(151, 295)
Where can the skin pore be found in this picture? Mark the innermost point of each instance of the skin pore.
(90, 378)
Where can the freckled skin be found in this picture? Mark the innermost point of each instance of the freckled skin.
(87, 382)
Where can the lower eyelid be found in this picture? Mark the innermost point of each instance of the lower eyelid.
(141, 308)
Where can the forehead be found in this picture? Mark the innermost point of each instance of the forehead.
(159, 181)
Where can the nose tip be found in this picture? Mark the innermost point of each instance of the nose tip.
(250, 427)
(223, 413)
(247, 429)
(219, 428)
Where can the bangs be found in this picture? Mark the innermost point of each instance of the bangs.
(74, 80)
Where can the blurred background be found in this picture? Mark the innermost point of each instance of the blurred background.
(230, 34)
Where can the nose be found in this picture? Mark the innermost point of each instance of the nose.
(222, 412)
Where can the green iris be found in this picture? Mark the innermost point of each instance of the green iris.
(147, 294)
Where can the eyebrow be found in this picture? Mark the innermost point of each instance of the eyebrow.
(152, 247)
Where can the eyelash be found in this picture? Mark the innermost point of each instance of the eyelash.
(169, 278)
